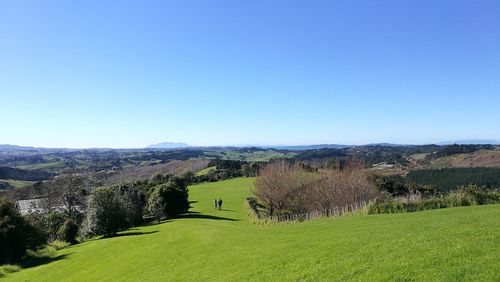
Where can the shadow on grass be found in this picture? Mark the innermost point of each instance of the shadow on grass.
(37, 261)
(203, 216)
(133, 233)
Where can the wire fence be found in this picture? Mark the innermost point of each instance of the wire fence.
(335, 211)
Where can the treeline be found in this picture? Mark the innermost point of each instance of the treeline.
(224, 169)
(286, 189)
(71, 209)
(448, 179)
(370, 155)
(23, 174)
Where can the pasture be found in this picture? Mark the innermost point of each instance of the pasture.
(448, 244)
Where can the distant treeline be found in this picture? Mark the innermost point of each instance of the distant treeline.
(369, 154)
(23, 174)
(450, 178)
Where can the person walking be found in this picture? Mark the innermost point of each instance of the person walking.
(220, 204)
(215, 204)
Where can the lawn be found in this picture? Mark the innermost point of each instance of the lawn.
(445, 245)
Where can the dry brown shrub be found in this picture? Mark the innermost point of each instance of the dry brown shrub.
(286, 189)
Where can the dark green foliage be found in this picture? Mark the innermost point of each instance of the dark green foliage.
(226, 164)
(134, 200)
(48, 223)
(169, 199)
(23, 174)
(112, 209)
(68, 231)
(157, 204)
(16, 234)
(370, 154)
(465, 196)
(451, 178)
(399, 186)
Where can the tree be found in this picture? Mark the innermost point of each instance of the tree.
(283, 188)
(67, 192)
(169, 199)
(157, 204)
(107, 213)
(16, 234)
(134, 201)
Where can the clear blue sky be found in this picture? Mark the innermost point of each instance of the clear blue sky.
(132, 73)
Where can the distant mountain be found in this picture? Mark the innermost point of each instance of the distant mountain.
(471, 142)
(7, 147)
(168, 145)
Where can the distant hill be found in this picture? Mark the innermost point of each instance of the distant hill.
(168, 145)
(8, 148)
(470, 142)
(308, 147)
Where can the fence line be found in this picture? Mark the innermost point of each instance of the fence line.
(336, 211)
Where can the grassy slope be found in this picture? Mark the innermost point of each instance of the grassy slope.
(449, 244)
(205, 171)
(481, 158)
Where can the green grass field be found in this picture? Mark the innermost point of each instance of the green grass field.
(205, 171)
(440, 245)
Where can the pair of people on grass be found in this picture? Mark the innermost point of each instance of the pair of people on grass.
(218, 204)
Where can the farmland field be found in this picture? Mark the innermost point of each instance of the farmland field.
(448, 244)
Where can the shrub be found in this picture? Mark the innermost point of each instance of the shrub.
(16, 234)
(48, 223)
(68, 231)
(169, 199)
(465, 196)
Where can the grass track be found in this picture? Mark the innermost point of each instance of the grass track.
(446, 245)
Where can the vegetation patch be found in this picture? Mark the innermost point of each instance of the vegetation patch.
(465, 196)
(450, 178)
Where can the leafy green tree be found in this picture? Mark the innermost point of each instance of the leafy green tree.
(107, 213)
(16, 234)
(157, 204)
(169, 199)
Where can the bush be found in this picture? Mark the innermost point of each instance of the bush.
(48, 223)
(16, 234)
(464, 196)
(68, 231)
(168, 199)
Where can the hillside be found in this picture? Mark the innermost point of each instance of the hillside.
(448, 244)
(481, 158)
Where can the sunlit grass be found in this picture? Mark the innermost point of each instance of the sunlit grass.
(448, 244)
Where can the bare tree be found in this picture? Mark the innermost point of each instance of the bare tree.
(290, 189)
(67, 193)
